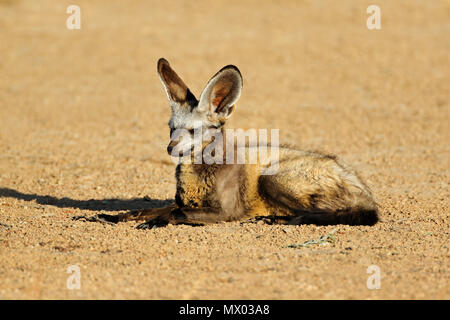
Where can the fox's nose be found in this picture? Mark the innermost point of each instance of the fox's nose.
(169, 149)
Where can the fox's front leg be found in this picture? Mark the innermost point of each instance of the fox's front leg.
(135, 215)
(191, 216)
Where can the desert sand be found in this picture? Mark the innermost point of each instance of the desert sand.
(83, 130)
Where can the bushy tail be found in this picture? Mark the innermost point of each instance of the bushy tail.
(351, 216)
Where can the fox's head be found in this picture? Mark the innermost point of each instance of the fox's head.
(190, 116)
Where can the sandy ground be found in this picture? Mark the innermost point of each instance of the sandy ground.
(83, 130)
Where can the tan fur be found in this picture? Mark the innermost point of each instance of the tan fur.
(309, 187)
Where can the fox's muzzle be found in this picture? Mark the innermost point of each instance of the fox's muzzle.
(170, 147)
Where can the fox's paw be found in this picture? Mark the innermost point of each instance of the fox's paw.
(271, 219)
(103, 218)
(153, 223)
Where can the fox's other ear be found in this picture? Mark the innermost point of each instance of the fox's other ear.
(176, 89)
(222, 92)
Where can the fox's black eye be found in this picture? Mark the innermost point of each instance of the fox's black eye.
(191, 131)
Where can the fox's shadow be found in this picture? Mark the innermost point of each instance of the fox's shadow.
(92, 204)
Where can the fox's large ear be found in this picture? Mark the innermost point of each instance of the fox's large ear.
(176, 89)
(222, 92)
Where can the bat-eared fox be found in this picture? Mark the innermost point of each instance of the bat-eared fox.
(307, 187)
